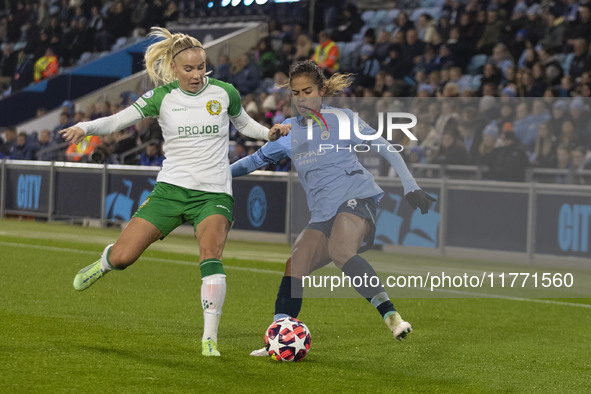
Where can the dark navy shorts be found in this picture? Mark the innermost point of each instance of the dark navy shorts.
(363, 207)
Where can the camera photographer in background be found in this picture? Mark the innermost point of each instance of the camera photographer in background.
(82, 151)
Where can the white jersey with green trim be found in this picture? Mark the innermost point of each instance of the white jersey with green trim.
(195, 127)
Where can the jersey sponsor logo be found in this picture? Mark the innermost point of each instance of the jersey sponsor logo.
(257, 206)
(352, 203)
(179, 109)
(214, 107)
(141, 102)
(148, 94)
(196, 131)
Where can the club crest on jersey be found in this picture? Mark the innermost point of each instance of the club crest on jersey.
(325, 135)
(214, 107)
(352, 203)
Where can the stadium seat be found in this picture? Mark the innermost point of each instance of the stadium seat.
(379, 18)
(367, 16)
(476, 62)
(475, 82)
(392, 15)
(566, 62)
(120, 43)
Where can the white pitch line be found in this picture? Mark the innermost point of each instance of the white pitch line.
(264, 271)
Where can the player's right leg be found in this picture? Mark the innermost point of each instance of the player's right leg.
(308, 254)
(133, 240)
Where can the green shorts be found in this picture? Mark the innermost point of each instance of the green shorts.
(169, 206)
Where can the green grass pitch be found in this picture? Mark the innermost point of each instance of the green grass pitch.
(139, 330)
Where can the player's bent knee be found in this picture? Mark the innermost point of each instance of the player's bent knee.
(340, 254)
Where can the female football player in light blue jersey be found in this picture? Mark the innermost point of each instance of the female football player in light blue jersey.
(341, 194)
(194, 185)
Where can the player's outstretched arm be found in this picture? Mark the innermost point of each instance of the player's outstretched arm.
(416, 197)
(102, 126)
(247, 164)
(253, 129)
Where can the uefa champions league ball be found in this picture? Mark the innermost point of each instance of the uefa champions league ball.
(287, 339)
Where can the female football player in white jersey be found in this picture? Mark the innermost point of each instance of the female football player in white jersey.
(194, 184)
(341, 194)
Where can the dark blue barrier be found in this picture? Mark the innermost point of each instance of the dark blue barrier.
(487, 220)
(562, 225)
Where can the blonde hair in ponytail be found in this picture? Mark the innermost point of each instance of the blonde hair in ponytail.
(160, 54)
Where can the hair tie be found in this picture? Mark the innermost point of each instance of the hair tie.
(194, 46)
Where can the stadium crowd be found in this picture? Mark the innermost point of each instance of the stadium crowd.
(503, 83)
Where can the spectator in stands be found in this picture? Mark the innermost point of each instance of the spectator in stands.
(559, 114)
(535, 25)
(569, 136)
(382, 43)
(545, 147)
(10, 142)
(46, 66)
(470, 127)
(44, 142)
(490, 35)
(368, 67)
(453, 10)
(414, 47)
(396, 64)
(539, 83)
(426, 28)
(563, 155)
(578, 157)
(286, 56)
(244, 74)
(222, 71)
(266, 58)
(8, 61)
(326, 54)
(490, 75)
(509, 161)
(490, 135)
(22, 150)
(551, 65)
(117, 22)
(451, 151)
(304, 48)
(501, 58)
(581, 26)
(238, 152)
(172, 12)
(403, 23)
(348, 23)
(76, 41)
(152, 155)
(23, 72)
(555, 29)
(582, 60)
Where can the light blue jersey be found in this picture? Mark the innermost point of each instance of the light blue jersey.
(327, 167)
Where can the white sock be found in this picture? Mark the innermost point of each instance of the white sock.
(213, 293)
(105, 265)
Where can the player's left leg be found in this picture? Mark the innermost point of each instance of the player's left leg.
(348, 233)
(211, 233)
